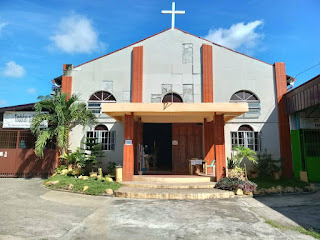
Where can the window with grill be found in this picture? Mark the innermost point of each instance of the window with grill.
(95, 100)
(102, 135)
(8, 139)
(246, 137)
(251, 99)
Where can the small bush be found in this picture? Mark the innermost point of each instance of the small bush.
(232, 184)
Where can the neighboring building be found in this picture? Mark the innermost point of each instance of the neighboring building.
(226, 99)
(17, 158)
(303, 105)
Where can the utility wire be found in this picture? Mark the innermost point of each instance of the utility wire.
(307, 69)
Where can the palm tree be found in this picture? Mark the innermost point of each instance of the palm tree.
(62, 114)
(243, 152)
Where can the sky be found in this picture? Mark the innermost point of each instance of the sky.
(37, 37)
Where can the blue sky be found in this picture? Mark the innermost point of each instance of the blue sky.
(38, 37)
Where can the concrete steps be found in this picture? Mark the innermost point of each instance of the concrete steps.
(171, 187)
(165, 185)
(181, 194)
(173, 178)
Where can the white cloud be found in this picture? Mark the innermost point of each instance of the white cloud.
(3, 102)
(76, 35)
(238, 36)
(31, 90)
(14, 70)
(2, 25)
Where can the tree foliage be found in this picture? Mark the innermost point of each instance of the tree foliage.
(62, 115)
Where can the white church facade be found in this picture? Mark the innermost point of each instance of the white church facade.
(178, 96)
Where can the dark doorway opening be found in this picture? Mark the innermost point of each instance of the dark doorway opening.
(157, 146)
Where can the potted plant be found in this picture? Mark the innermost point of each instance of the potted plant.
(231, 164)
(276, 169)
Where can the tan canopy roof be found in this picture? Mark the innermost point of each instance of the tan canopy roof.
(174, 112)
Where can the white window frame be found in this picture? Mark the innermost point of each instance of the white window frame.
(248, 139)
(109, 136)
(254, 105)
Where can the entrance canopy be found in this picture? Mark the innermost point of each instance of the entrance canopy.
(174, 112)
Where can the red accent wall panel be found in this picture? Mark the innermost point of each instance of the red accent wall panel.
(207, 73)
(128, 150)
(219, 146)
(284, 127)
(209, 154)
(137, 74)
(66, 86)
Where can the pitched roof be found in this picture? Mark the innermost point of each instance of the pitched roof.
(165, 31)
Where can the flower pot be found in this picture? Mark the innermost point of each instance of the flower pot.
(140, 172)
(276, 175)
(69, 167)
(119, 174)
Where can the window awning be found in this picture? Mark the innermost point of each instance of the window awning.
(174, 112)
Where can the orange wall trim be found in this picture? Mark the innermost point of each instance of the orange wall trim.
(284, 127)
(209, 154)
(219, 143)
(128, 150)
(207, 73)
(137, 74)
(66, 86)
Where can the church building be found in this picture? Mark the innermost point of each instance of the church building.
(174, 96)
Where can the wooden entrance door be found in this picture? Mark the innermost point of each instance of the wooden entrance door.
(188, 139)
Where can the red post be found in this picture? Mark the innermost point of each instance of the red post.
(219, 146)
(284, 126)
(128, 149)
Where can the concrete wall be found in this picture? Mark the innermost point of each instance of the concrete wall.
(233, 72)
(167, 62)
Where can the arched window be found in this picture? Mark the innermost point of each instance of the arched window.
(172, 97)
(102, 135)
(245, 136)
(95, 100)
(245, 128)
(252, 100)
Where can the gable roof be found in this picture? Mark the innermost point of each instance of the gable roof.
(165, 31)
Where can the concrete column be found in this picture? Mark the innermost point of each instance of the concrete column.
(207, 73)
(283, 117)
(137, 74)
(219, 146)
(209, 153)
(128, 150)
(66, 84)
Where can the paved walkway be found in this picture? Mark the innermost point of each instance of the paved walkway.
(29, 211)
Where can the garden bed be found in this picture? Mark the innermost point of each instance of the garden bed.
(95, 187)
(283, 185)
(283, 182)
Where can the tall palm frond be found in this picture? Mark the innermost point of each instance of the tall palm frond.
(62, 114)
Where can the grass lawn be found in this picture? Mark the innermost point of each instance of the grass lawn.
(283, 182)
(309, 232)
(95, 187)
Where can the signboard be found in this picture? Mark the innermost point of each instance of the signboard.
(309, 123)
(128, 142)
(20, 120)
(174, 142)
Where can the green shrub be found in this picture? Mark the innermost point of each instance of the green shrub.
(266, 165)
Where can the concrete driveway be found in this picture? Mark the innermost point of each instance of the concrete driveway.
(29, 211)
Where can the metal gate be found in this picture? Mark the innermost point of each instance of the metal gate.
(17, 157)
(311, 153)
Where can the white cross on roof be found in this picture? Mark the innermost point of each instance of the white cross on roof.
(173, 12)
